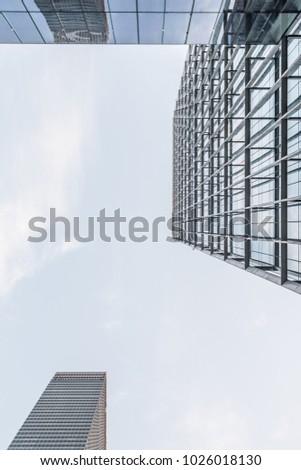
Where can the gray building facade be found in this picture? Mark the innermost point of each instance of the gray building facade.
(237, 161)
(70, 414)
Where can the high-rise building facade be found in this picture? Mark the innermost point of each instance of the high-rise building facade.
(74, 21)
(144, 21)
(107, 21)
(70, 414)
(237, 157)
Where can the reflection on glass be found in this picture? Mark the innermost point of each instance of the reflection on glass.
(76, 26)
(7, 36)
(259, 28)
(122, 5)
(178, 5)
(43, 27)
(151, 5)
(11, 5)
(207, 5)
(125, 28)
(31, 5)
(24, 27)
(150, 28)
(200, 28)
(175, 28)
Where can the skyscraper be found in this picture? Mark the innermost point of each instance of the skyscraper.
(74, 21)
(70, 414)
(107, 21)
(237, 158)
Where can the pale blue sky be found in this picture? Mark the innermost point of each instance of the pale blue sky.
(199, 354)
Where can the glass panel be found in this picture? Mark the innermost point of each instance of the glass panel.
(47, 7)
(83, 29)
(150, 28)
(24, 27)
(178, 5)
(125, 28)
(151, 5)
(111, 37)
(7, 36)
(90, 6)
(11, 5)
(175, 28)
(292, 5)
(43, 27)
(207, 5)
(31, 5)
(122, 5)
(201, 27)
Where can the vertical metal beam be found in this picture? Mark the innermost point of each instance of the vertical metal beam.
(277, 172)
(195, 164)
(247, 215)
(226, 156)
(283, 165)
(203, 52)
(211, 147)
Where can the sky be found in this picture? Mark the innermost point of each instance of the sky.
(199, 354)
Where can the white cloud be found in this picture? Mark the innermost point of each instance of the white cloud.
(41, 167)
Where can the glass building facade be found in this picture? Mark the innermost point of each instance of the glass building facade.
(145, 21)
(107, 21)
(237, 155)
(70, 414)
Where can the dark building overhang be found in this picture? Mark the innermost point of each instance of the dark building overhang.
(258, 22)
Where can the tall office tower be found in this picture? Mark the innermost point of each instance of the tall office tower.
(70, 414)
(237, 141)
(75, 21)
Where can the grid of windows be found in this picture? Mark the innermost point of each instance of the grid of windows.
(237, 166)
(145, 21)
(107, 21)
(70, 414)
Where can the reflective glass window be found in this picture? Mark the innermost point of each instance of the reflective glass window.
(175, 28)
(24, 27)
(151, 5)
(11, 5)
(125, 28)
(122, 5)
(6, 33)
(31, 5)
(207, 5)
(43, 27)
(150, 28)
(178, 5)
(201, 26)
